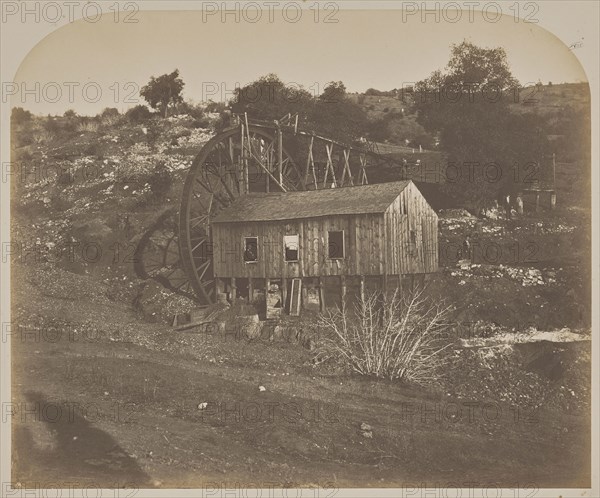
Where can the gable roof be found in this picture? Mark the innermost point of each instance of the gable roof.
(363, 199)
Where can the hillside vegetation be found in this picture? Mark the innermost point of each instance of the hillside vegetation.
(86, 190)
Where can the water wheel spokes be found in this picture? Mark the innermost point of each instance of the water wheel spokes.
(233, 163)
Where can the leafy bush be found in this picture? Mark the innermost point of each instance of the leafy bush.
(200, 123)
(163, 91)
(194, 111)
(20, 115)
(394, 337)
(110, 111)
(153, 133)
(138, 114)
(215, 106)
(160, 181)
(51, 125)
(70, 121)
(110, 117)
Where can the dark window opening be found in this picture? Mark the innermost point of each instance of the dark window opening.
(336, 245)
(290, 244)
(250, 249)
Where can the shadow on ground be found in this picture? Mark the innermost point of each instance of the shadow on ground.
(62, 447)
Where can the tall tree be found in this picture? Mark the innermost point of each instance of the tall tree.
(164, 91)
(487, 144)
(337, 115)
(269, 98)
(332, 113)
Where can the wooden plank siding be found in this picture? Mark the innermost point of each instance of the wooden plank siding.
(411, 234)
(401, 240)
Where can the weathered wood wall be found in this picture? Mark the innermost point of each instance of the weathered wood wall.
(402, 240)
(411, 234)
(313, 260)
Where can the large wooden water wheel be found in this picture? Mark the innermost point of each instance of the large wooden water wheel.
(249, 157)
(233, 163)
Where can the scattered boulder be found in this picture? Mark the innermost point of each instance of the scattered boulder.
(248, 326)
(366, 430)
(278, 332)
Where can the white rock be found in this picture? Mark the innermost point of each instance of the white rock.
(262, 388)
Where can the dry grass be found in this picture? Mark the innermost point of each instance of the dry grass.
(88, 126)
(394, 337)
(42, 136)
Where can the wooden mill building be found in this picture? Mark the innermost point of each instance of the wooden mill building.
(323, 242)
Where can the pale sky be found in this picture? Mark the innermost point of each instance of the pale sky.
(364, 49)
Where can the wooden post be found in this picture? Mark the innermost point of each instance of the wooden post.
(346, 153)
(363, 173)
(267, 285)
(279, 155)
(301, 248)
(233, 289)
(321, 295)
(303, 295)
(537, 202)
(343, 288)
(284, 285)
(310, 162)
(250, 290)
(329, 149)
(219, 288)
(244, 160)
(553, 200)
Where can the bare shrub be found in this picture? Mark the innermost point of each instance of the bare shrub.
(394, 337)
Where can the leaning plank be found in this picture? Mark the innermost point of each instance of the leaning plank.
(191, 325)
